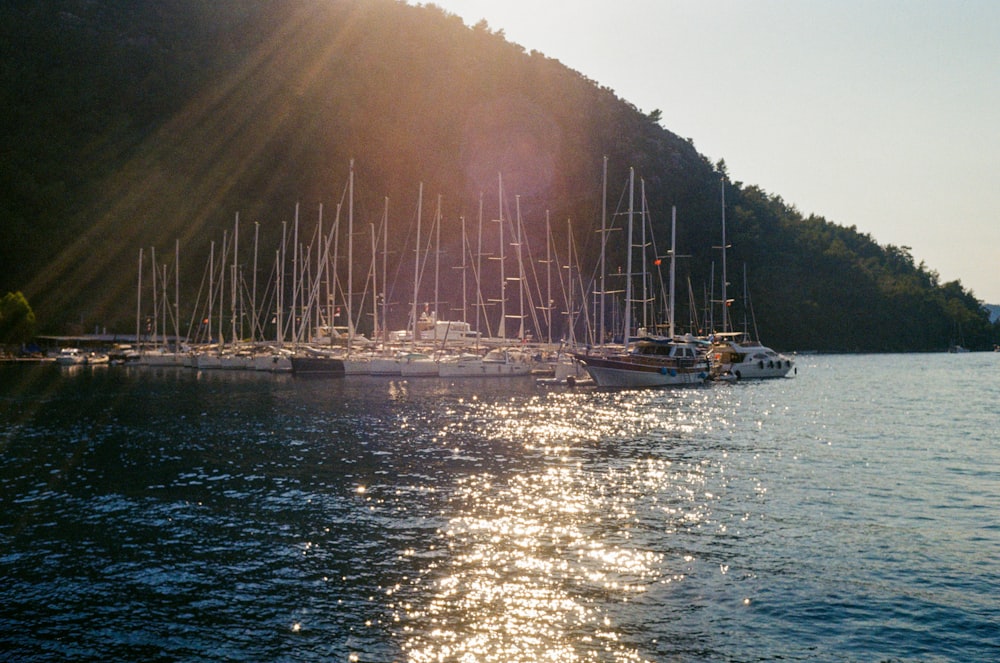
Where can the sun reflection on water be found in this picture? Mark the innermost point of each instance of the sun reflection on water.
(535, 558)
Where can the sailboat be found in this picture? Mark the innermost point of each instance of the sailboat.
(647, 361)
(500, 361)
(309, 360)
(735, 355)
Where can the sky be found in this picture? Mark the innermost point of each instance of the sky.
(878, 114)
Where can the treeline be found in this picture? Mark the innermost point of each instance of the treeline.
(831, 287)
(129, 125)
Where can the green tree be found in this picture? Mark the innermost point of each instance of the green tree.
(17, 320)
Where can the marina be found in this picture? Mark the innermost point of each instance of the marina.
(305, 320)
(358, 330)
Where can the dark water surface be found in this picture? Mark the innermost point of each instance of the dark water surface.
(849, 514)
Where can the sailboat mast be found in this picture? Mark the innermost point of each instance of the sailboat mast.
(693, 323)
(232, 287)
(253, 288)
(548, 276)
(479, 268)
(502, 330)
(163, 284)
(177, 292)
(138, 301)
(335, 232)
(385, 257)
(673, 265)
(211, 290)
(711, 299)
(277, 297)
(570, 318)
(280, 285)
(350, 257)
(416, 265)
(324, 278)
(520, 273)
(725, 298)
(465, 285)
(628, 257)
(295, 275)
(375, 329)
(437, 259)
(320, 272)
(156, 306)
(222, 284)
(604, 244)
(643, 220)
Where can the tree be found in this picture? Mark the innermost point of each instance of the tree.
(17, 320)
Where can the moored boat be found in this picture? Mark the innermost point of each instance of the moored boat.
(70, 357)
(734, 355)
(161, 357)
(97, 358)
(236, 360)
(317, 364)
(464, 364)
(499, 362)
(208, 359)
(273, 361)
(123, 354)
(418, 364)
(566, 370)
(356, 363)
(649, 362)
(385, 363)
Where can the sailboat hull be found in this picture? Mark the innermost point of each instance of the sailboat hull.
(468, 367)
(628, 371)
(329, 366)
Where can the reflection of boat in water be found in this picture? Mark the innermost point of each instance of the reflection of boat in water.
(746, 359)
(649, 362)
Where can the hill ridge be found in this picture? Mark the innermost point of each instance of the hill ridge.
(197, 113)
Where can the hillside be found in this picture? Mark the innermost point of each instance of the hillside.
(140, 125)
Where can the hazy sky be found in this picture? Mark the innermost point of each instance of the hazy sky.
(882, 114)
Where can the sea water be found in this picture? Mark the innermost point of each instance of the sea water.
(848, 513)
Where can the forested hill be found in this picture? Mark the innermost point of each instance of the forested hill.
(128, 125)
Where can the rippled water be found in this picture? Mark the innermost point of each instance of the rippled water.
(849, 514)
